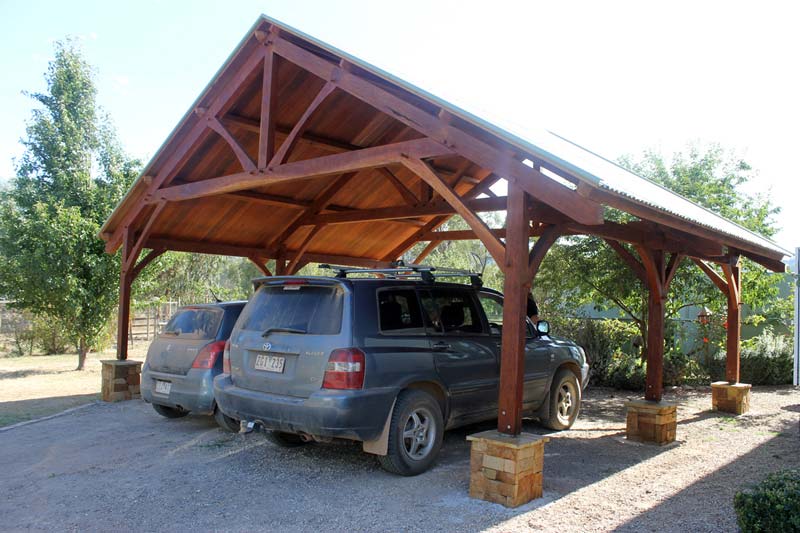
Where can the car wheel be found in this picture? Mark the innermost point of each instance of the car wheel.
(284, 440)
(226, 422)
(169, 412)
(415, 434)
(565, 401)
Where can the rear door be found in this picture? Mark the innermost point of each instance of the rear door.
(464, 353)
(285, 334)
(191, 328)
(537, 352)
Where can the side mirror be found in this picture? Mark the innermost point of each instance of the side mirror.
(543, 327)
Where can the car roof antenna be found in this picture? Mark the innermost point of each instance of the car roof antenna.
(216, 299)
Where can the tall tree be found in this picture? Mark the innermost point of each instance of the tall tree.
(71, 175)
(596, 276)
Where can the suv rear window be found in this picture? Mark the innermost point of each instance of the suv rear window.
(307, 309)
(195, 323)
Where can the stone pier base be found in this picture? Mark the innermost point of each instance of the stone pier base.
(121, 380)
(506, 469)
(654, 422)
(730, 397)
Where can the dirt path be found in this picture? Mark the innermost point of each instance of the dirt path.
(122, 467)
(41, 385)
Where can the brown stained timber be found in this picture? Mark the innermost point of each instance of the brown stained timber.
(366, 158)
(516, 285)
(424, 172)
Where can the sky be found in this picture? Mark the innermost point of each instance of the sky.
(615, 77)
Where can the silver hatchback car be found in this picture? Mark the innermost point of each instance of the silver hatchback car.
(178, 374)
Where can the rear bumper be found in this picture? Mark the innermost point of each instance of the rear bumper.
(193, 392)
(356, 415)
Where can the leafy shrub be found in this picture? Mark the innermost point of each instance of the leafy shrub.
(49, 335)
(771, 506)
(601, 339)
(766, 360)
(626, 372)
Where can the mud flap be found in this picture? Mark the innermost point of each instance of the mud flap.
(380, 446)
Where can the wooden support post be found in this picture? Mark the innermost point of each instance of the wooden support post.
(733, 274)
(653, 262)
(125, 281)
(515, 289)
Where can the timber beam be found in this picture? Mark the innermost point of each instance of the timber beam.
(379, 156)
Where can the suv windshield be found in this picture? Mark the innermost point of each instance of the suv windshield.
(194, 323)
(307, 309)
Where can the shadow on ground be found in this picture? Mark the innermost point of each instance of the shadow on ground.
(22, 410)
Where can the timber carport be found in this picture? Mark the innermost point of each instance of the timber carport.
(298, 152)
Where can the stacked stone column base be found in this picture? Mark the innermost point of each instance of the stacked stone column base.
(730, 397)
(506, 469)
(654, 422)
(121, 380)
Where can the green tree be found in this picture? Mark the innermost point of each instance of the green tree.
(585, 271)
(71, 175)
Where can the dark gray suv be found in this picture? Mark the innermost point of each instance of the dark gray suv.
(390, 362)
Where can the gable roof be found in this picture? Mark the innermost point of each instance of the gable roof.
(346, 123)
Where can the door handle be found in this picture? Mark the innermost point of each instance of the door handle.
(441, 346)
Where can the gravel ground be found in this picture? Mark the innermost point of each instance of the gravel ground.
(121, 467)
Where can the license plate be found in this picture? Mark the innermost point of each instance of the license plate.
(162, 387)
(270, 363)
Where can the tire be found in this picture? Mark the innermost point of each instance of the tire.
(284, 440)
(169, 412)
(415, 434)
(226, 422)
(564, 404)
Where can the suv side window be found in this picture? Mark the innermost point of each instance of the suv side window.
(493, 307)
(451, 311)
(399, 312)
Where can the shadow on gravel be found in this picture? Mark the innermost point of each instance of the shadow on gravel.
(15, 374)
(22, 410)
(781, 451)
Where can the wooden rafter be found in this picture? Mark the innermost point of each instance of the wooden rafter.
(401, 248)
(247, 164)
(549, 236)
(494, 245)
(431, 246)
(400, 212)
(298, 255)
(302, 124)
(322, 200)
(629, 259)
(404, 191)
(378, 156)
(146, 260)
(260, 264)
(715, 278)
(266, 126)
(236, 250)
(138, 245)
(535, 183)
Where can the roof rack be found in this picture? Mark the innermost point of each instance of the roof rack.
(400, 270)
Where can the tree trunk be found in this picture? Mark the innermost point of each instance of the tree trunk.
(82, 349)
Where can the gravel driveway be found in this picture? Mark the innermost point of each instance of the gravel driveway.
(122, 467)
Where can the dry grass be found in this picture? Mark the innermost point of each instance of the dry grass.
(40, 385)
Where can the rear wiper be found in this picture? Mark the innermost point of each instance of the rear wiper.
(283, 330)
(170, 333)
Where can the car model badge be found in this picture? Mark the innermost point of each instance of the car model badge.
(267, 346)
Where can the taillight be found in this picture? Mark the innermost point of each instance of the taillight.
(208, 355)
(226, 358)
(345, 369)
